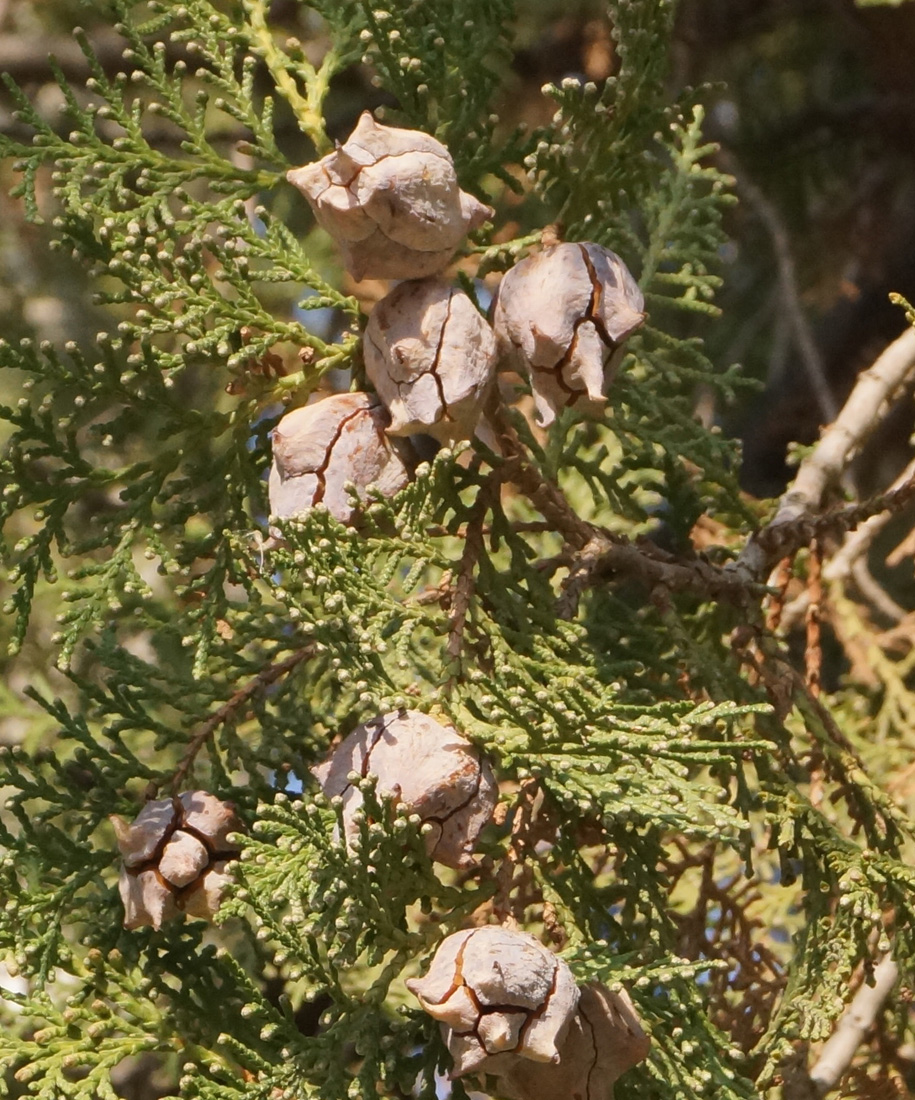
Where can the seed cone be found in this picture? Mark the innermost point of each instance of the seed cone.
(500, 997)
(430, 355)
(560, 315)
(174, 857)
(391, 200)
(433, 771)
(604, 1040)
(319, 448)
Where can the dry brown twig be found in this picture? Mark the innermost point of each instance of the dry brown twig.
(260, 682)
(594, 554)
(528, 806)
(463, 587)
(775, 605)
(813, 655)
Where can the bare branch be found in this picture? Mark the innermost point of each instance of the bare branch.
(872, 590)
(858, 542)
(595, 554)
(793, 525)
(839, 1050)
(607, 557)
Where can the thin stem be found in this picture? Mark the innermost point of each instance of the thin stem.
(307, 108)
(261, 682)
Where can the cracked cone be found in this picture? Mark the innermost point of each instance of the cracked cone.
(434, 772)
(174, 858)
(430, 355)
(559, 316)
(391, 200)
(604, 1040)
(320, 448)
(500, 996)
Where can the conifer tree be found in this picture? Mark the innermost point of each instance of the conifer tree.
(681, 814)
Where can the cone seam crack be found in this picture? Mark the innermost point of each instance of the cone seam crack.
(440, 820)
(180, 894)
(366, 761)
(394, 156)
(321, 472)
(437, 819)
(590, 316)
(586, 1022)
(432, 369)
(173, 826)
(538, 1012)
(360, 168)
(597, 293)
(178, 825)
(531, 1015)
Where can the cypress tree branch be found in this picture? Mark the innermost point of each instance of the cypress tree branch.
(795, 521)
(507, 598)
(857, 543)
(263, 680)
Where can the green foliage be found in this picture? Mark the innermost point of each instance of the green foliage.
(135, 469)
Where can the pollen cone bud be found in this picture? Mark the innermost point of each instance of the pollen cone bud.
(320, 448)
(432, 770)
(500, 997)
(605, 1039)
(391, 200)
(430, 355)
(560, 315)
(174, 857)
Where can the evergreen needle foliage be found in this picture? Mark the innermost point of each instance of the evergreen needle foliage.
(677, 843)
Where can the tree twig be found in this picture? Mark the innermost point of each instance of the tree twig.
(813, 651)
(859, 541)
(859, 1016)
(849, 560)
(261, 682)
(795, 518)
(606, 557)
(871, 590)
(463, 587)
(527, 808)
(545, 495)
(790, 295)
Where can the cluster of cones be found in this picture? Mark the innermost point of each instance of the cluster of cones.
(391, 200)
